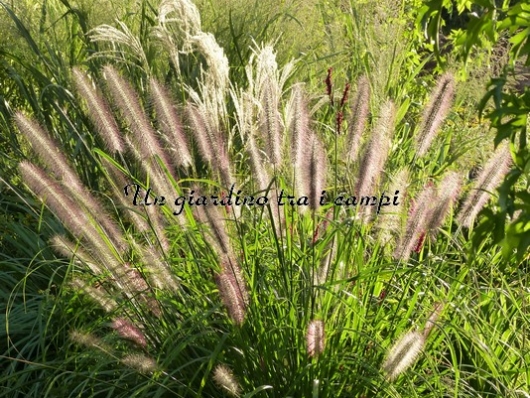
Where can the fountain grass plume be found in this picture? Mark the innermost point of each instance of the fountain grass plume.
(435, 112)
(145, 219)
(271, 123)
(260, 175)
(127, 330)
(447, 193)
(317, 173)
(98, 295)
(99, 113)
(315, 338)
(298, 121)
(159, 270)
(225, 379)
(390, 222)
(403, 354)
(210, 142)
(376, 153)
(488, 179)
(417, 222)
(69, 212)
(75, 252)
(218, 228)
(231, 295)
(170, 125)
(359, 116)
(201, 133)
(268, 84)
(301, 137)
(232, 288)
(143, 137)
(140, 362)
(47, 150)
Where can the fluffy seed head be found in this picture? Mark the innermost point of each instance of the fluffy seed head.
(488, 179)
(403, 354)
(170, 125)
(68, 249)
(317, 173)
(377, 151)
(315, 338)
(76, 220)
(435, 112)
(99, 112)
(359, 116)
(416, 223)
(233, 292)
(448, 192)
(127, 330)
(97, 295)
(46, 149)
(226, 380)
(142, 363)
(126, 99)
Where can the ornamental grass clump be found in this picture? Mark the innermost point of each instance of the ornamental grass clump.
(183, 289)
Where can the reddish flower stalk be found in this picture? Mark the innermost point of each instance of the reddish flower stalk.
(340, 118)
(421, 241)
(345, 95)
(329, 86)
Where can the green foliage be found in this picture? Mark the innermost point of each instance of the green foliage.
(489, 21)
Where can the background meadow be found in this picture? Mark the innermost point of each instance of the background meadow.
(102, 297)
